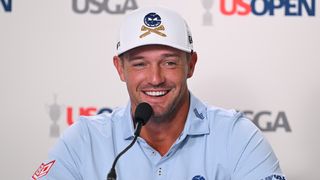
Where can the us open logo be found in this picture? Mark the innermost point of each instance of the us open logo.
(268, 7)
(286, 8)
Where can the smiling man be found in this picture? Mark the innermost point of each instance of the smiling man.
(158, 74)
(184, 138)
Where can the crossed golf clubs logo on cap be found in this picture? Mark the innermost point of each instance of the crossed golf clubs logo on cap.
(153, 25)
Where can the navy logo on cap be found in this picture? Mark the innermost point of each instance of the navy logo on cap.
(152, 23)
(198, 177)
(152, 20)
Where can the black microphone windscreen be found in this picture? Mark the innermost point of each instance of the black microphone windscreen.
(143, 113)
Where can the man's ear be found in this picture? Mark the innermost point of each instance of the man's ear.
(118, 64)
(192, 64)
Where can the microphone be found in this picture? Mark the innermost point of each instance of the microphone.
(141, 116)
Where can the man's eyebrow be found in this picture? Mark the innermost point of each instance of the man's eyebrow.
(170, 55)
(139, 57)
(133, 58)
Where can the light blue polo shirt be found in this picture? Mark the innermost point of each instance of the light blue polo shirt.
(215, 144)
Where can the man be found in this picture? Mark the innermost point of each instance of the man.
(184, 138)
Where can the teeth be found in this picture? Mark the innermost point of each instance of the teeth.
(155, 93)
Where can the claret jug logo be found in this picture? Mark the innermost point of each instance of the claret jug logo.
(207, 16)
(7, 5)
(100, 6)
(54, 111)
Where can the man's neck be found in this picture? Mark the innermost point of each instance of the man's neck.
(162, 135)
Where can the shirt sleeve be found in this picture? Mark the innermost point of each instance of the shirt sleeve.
(251, 154)
(64, 157)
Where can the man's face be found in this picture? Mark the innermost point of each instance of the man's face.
(157, 75)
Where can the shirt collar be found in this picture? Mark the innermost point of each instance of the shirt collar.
(196, 123)
(127, 125)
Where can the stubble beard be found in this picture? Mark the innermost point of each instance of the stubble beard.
(171, 110)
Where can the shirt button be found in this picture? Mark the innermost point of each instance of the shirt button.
(160, 171)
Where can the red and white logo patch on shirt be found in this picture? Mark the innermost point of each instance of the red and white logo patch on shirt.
(43, 170)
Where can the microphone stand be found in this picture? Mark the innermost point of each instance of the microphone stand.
(112, 175)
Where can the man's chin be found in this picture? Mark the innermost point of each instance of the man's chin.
(161, 116)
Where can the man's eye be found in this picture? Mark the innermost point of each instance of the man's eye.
(139, 64)
(170, 63)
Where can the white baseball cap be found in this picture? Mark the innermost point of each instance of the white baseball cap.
(154, 26)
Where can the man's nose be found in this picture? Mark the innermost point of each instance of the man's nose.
(156, 75)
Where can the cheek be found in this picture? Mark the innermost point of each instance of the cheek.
(133, 78)
(178, 76)
(176, 80)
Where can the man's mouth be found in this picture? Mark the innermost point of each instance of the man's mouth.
(156, 93)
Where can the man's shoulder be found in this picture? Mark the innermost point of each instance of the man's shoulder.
(228, 119)
(103, 120)
(212, 113)
(219, 119)
(100, 124)
(220, 113)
